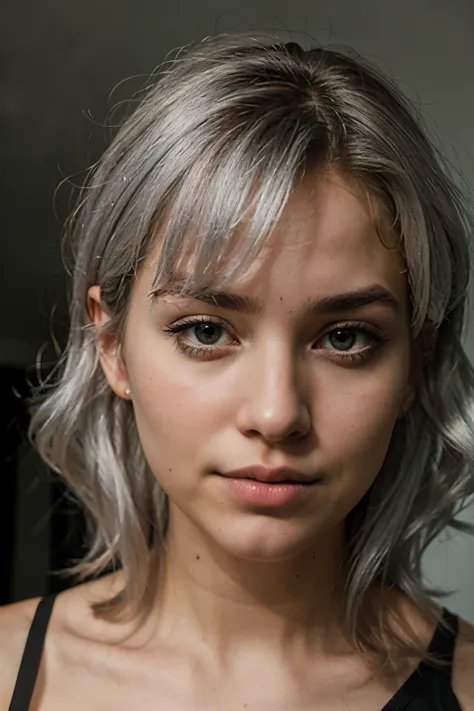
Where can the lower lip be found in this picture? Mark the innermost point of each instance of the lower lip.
(259, 493)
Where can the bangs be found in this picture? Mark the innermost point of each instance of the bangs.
(229, 202)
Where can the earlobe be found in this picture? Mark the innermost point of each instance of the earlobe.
(110, 356)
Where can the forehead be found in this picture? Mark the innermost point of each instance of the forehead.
(331, 217)
(325, 238)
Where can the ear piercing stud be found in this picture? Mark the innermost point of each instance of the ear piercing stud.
(127, 391)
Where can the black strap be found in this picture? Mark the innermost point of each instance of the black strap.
(427, 678)
(31, 659)
(443, 642)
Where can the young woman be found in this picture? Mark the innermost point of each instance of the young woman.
(264, 406)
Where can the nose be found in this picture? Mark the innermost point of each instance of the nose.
(274, 404)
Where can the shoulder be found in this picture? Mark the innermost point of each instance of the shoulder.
(463, 666)
(15, 622)
(72, 629)
(463, 661)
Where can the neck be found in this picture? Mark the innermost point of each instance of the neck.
(230, 603)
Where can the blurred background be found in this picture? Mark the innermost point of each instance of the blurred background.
(63, 66)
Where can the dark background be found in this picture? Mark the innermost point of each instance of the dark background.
(62, 66)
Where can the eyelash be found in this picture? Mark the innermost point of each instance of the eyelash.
(175, 330)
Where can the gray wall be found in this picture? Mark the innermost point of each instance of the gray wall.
(63, 59)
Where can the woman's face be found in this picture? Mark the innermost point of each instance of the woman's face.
(296, 384)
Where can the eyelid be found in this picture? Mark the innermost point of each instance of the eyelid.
(359, 325)
(201, 318)
(190, 321)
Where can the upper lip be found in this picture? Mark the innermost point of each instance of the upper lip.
(271, 475)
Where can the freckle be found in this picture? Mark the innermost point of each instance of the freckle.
(297, 575)
(169, 469)
(281, 299)
(198, 557)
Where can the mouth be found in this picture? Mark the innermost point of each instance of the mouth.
(280, 482)
(280, 475)
(253, 492)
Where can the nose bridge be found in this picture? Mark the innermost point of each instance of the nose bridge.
(275, 400)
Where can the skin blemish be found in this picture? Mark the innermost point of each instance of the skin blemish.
(281, 299)
(198, 557)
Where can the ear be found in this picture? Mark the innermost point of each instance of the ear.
(109, 350)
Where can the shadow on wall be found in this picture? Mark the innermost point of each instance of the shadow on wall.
(41, 528)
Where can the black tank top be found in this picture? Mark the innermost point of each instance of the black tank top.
(427, 689)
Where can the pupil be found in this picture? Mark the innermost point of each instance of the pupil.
(207, 331)
(349, 337)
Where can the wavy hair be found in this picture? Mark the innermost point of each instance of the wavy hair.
(220, 135)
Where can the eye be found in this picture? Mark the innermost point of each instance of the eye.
(207, 334)
(344, 335)
(345, 338)
(209, 331)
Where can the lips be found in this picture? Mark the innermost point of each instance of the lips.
(271, 476)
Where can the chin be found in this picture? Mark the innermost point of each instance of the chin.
(265, 539)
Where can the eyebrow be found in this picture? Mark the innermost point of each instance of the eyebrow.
(347, 301)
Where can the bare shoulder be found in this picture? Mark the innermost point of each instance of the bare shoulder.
(463, 666)
(15, 621)
(71, 622)
(463, 662)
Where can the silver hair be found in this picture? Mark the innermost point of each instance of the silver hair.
(222, 134)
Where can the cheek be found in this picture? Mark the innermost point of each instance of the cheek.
(359, 427)
(353, 432)
(177, 412)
